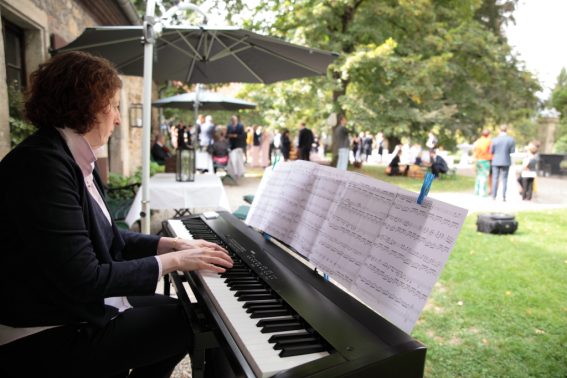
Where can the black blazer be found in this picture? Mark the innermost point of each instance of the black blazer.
(54, 268)
(305, 139)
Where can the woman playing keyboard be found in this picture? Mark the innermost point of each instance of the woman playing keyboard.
(78, 293)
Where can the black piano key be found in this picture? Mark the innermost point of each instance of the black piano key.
(265, 303)
(240, 278)
(296, 343)
(236, 274)
(289, 336)
(246, 287)
(254, 297)
(241, 282)
(260, 307)
(269, 313)
(299, 350)
(272, 328)
(254, 291)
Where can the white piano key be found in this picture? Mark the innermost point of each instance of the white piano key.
(179, 229)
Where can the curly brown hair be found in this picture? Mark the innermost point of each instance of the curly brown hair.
(69, 90)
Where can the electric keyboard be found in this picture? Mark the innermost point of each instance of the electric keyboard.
(272, 315)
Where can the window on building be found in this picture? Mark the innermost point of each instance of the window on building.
(14, 54)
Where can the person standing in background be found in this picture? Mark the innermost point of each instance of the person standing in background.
(285, 145)
(315, 144)
(278, 141)
(529, 173)
(356, 148)
(483, 159)
(367, 145)
(380, 145)
(249, 141)
(341, 133)
(207, 130)
(265, 147)
(501, 148)
(305, 142)
(432, 141)
(234, 133)
(326, 141)
(256, 140)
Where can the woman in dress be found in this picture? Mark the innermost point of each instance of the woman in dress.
(355, 143)
(265, 147)
(87, 306)
(483, 159)
(219, 149)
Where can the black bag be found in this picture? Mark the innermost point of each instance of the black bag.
(496, 223)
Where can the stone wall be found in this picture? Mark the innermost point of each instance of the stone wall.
(68, 19)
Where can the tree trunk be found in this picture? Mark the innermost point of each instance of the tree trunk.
(340, 113)
(393, 141)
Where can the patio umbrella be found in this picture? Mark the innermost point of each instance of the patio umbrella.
(207, 101)
(205, 54)
(196, 54)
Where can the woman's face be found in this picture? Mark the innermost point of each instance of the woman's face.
(106, 120)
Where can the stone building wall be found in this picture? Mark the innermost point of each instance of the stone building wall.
(68, 19)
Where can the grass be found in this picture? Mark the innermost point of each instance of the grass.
(462, 183)
(499, 308)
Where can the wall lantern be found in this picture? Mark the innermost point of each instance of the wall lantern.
(185, 163)
(136, 115)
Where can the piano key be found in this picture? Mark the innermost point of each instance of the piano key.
(296, 342)
(277, 338)
(242, 282)
(236, 274)
(299, 350)
(269, 313)
(255, 291)
(180, 229)
(254, 297)
(246, 287)
(287, 326)
(262, 303)
(259, 307)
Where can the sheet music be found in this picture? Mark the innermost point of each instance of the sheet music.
(369, 235)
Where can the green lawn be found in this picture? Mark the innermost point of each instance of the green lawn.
(461, 183)
(499, 308)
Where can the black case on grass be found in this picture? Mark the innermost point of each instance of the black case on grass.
(496, 223)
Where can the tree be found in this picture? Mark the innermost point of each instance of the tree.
(405, 67)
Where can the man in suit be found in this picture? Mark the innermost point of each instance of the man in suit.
(159, 151)
(437, 164)
(501, 148)
(234, 133)
(305, 141)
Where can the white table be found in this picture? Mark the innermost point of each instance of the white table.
(167, 193)
(466, 148)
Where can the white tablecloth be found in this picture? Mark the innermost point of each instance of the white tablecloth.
(167, 193)
(203, 160)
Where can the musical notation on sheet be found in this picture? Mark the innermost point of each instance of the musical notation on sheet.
(370, 236)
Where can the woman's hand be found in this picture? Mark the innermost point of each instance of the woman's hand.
(183, 244)
(165, 245)
(195, 259)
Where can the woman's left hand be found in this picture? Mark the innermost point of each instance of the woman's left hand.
(183, 244)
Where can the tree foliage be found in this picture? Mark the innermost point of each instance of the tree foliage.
(405, 67)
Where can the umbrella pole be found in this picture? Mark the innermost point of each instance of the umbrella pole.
(196, 106)
(147, 115)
